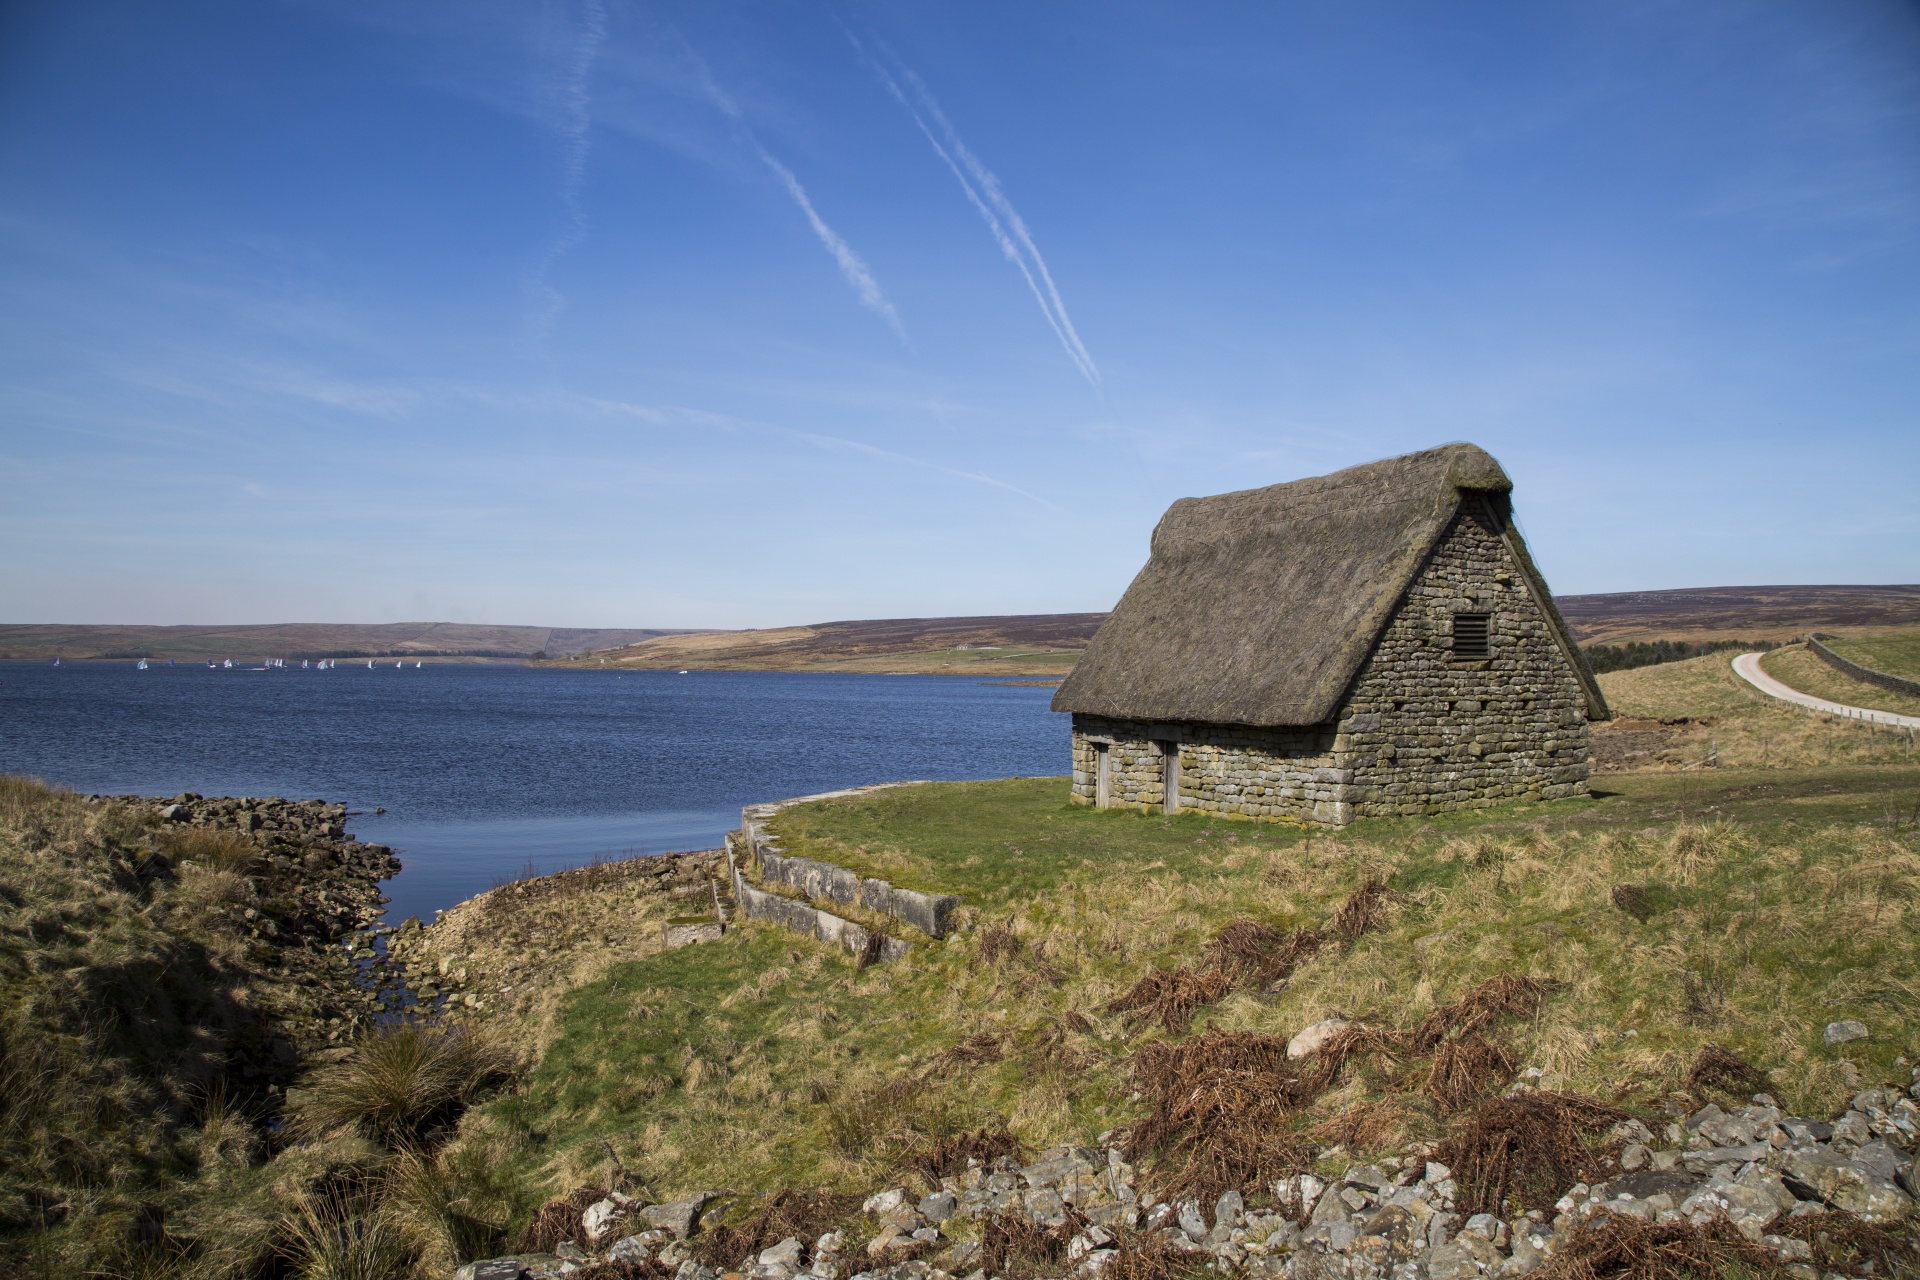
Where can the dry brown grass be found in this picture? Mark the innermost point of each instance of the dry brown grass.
(1845, 1245)
(1715, 1068)
(952, 1156)
(214, 848)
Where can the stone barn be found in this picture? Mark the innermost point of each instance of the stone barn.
(1376, 641)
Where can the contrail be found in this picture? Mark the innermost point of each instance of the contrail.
(576, 103)
(984, 191)
(851, 265)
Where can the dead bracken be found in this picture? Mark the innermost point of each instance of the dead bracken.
(1245, 954)
(1526, 1150)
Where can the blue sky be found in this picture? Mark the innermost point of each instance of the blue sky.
(601, 312)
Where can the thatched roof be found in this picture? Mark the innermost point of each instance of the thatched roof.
(1259, 607)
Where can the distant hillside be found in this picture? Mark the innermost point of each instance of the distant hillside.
(1017, 644)
(1750, 613)
(1020, 644)
(309, 640)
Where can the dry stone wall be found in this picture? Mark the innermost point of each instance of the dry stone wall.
(1422, 730)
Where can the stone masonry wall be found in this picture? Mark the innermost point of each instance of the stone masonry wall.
(1421, 731)
(1224, 769)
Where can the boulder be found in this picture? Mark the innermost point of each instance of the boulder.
(491, 1269)
(600, 1220)
(1310, 1040)
(785, 1254)
(629, 1249)
(1843, 1032)
(882, 1203)
(681, 1217)
(1822, 1173)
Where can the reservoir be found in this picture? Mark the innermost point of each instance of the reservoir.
(489, 773)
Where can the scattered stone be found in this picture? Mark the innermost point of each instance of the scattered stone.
(1843, 1032)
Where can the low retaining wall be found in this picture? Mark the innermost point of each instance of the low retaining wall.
(1898, 684)
(927, 912)
(763, 904)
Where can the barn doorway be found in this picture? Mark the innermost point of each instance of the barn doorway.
(1102, 775)
(1170, 776)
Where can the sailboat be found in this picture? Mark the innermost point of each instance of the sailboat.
(56, 662)
(140, 665)
(369, 664)
(211, 664)
(228, 664)
(169, 661)
(416, 666)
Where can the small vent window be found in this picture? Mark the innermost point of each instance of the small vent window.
(1470, 635)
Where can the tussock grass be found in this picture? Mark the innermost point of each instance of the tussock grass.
(216, 849)
(402, 1085)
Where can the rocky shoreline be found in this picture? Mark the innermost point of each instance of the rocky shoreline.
(307, 907)
(1751, 1178)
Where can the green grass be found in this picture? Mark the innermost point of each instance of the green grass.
(1895, 652)
(997, 843)
(1786, 900)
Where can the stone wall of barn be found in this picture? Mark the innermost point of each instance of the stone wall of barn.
(1421, 731)
(1224, 769)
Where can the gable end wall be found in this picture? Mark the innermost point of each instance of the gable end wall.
(1422, 733)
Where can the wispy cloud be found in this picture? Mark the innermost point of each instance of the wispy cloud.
(984, 191)
(574, 95)
(661, 415)
(851, 264)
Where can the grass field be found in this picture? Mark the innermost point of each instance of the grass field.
(1726, 719)
(1801, 668)
(1895, 652)
(1746, 903)
(1778, 899)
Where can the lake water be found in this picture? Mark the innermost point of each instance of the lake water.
(487, 771)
